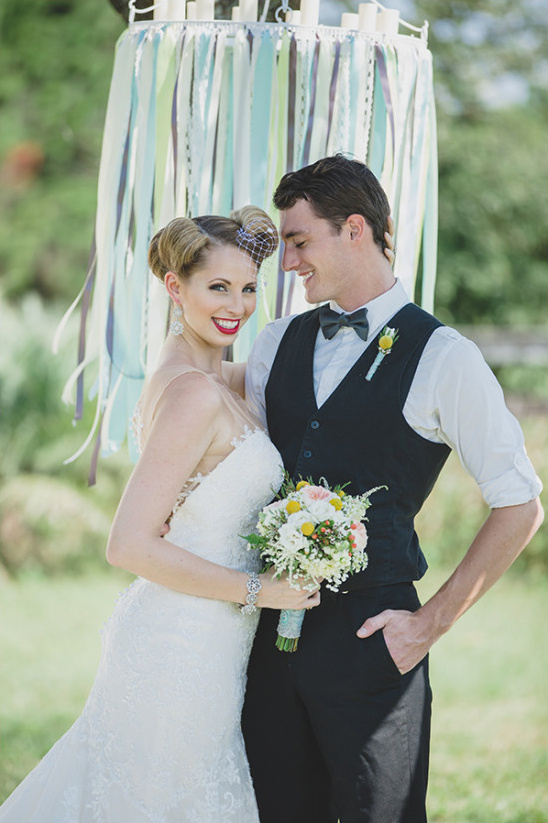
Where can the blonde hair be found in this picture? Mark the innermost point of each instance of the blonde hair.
(184, 243)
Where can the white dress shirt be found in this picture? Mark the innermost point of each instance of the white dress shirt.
(454, 397)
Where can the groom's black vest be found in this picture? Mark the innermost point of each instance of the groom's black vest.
(360, 435)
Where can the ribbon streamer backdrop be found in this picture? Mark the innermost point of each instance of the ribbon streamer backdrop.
(205, 117)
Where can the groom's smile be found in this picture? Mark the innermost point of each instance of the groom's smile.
(306, 276)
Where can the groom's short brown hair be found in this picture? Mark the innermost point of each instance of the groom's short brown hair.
(337, 187)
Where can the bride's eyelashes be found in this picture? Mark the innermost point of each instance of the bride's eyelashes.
(251, 289)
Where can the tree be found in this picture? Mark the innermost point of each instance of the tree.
(487, 53)
(489, 68)
(55, 67)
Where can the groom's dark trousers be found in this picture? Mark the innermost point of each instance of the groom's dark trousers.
(333, 731)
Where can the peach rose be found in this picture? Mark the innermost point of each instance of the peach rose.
(360, 535)
(317, 493)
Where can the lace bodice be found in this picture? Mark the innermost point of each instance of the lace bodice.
(227, 502)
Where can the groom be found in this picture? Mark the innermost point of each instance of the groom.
(340, 729)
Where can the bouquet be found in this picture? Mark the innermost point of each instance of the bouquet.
(311, 533)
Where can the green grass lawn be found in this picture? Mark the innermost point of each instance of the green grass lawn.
(490, 729)
(50, 649)
(489, 749)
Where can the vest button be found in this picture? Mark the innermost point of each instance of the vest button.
(314, 425)
(307, 453)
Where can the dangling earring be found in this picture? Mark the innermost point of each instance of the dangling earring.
(176, 327)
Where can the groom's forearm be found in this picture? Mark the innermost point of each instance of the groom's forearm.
(498, 543)
(409, 636)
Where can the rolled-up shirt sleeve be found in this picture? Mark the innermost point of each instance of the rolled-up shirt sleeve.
(454, 399)
(255, 383)
(259, 363)
(470, 415)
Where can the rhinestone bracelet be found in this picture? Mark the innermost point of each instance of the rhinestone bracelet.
(253, 586)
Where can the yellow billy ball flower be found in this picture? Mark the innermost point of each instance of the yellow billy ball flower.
(386, 342)
(307, 528)
(336, 503)
(293, 506)
(341, 493)
(301, 484)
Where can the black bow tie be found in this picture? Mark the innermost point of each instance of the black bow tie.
(331, 321)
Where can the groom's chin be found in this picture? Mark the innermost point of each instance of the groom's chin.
(309, 297)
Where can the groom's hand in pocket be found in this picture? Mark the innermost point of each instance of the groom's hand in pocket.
(404, 635)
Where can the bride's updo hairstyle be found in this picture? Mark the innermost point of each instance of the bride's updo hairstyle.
(182, 246)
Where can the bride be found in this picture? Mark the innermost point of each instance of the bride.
(159, 738)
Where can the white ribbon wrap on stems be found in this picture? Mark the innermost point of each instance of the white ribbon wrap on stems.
(289, 629)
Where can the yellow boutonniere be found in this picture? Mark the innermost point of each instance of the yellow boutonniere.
(386, 341)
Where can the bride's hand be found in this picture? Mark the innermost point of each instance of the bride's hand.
(390, 249)
(278, 594)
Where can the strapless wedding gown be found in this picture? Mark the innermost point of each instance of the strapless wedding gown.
(159, 738)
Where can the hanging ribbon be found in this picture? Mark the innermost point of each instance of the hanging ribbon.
(207, 117)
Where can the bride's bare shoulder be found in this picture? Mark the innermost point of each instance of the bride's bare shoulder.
(178, 394)
(191, 388)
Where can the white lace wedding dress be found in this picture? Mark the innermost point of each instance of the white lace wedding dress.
(159, 738)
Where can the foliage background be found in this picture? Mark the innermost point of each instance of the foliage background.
(55, 67)
(491, 65)
(490, 60)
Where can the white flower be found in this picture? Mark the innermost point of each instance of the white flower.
(292, 539)
(297, 519)
(320, 510)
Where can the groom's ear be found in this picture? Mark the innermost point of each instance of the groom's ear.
(357, 228)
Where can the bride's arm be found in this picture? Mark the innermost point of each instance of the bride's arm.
(184, 427)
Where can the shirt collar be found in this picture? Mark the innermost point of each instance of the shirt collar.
(382, 308)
